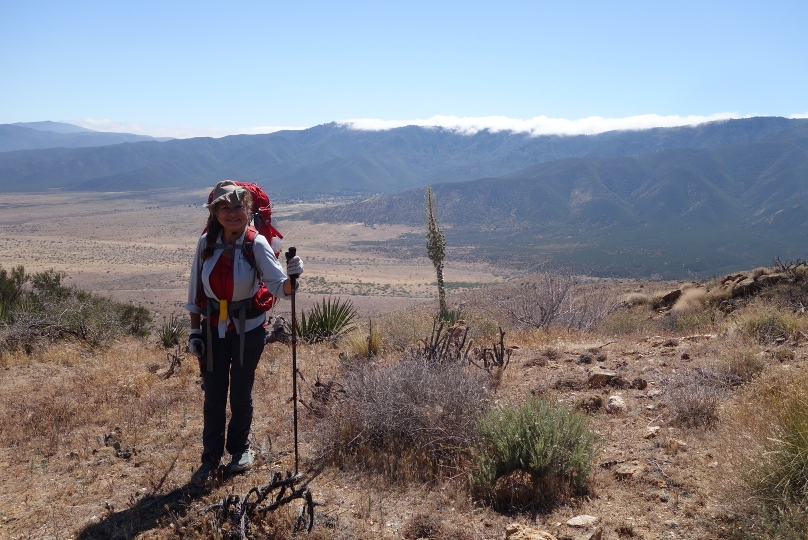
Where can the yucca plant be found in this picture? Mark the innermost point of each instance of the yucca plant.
(327, 320)
(173, 330)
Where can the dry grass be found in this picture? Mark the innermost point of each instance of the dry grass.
(60, 481)
(771, 466)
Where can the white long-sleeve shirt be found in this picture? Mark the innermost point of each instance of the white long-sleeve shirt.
(245, 282)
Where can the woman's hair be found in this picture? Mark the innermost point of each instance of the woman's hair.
(214, 228)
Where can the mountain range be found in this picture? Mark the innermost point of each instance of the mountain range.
(335, 159)
(679, 212)
(41, 135)
(666, 202)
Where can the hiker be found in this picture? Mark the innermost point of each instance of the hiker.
(231, 279)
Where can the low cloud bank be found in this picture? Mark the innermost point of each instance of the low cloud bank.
(540, 125)
(174, 132)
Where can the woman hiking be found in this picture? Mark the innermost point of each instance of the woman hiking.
(233, 274)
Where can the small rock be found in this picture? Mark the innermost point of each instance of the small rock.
(590, 404)
(583, 521)
(597, 534)
(616, 404)
(629, 470)
(685, 356)
(673, 446)
(517, 531)
(671, 523)
(639, 383)
(651, 432)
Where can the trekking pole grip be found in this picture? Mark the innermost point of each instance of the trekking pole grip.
(291, 252)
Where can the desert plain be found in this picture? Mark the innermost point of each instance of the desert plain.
(137, 247)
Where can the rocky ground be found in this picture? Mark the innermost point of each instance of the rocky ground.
(101, 443)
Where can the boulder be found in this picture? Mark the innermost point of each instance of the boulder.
(628, 470)
(600, 376)
(745, 287)
(583, 521)
(615, 404)
(517, 531)
(767, 280)
(669, 299)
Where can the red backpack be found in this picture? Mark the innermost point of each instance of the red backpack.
(262, 224)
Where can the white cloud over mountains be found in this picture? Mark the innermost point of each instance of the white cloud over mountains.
(468, 125)
(540, 125)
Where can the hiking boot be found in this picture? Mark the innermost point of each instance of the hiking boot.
(242, 462)
(202, 474)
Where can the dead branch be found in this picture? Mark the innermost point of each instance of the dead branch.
(236, 513)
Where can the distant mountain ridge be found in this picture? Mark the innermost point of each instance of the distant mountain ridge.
(334, 159)
(680, 212)
(44, 135)
(55, 127)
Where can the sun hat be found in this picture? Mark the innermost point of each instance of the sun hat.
(226, 191)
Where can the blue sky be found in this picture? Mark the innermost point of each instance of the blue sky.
(192, 68)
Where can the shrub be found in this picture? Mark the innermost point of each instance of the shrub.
(11, 290)
(769, 326)
(51, 311)
(551, 444)
(364, 344)
(422, 526)
(773, 464)
(624, 322)
(694, 396)
(410, 421)
(328, 320)
(782, 475)
(742, 365)
(546, 300)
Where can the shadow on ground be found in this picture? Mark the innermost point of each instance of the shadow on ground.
(144, 515)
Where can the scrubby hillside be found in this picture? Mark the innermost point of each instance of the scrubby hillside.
(617, 409)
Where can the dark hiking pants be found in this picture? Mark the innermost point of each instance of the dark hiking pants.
(228, 373)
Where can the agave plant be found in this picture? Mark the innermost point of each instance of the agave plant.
(173, 330)
(327, 320)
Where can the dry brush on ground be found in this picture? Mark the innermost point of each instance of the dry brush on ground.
(690, 395)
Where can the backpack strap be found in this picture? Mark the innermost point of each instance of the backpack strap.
(241, 306)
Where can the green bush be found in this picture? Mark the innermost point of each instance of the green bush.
(779, 480)
(551, 445)
(48, 311)
(767, 327)
(11, 291)
(330, 319)
(623, 322)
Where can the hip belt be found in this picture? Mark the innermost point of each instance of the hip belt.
(239, 311)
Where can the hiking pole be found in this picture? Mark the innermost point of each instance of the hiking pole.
(291, 252)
